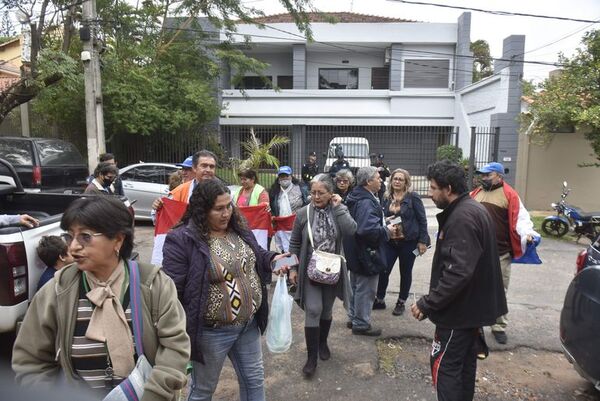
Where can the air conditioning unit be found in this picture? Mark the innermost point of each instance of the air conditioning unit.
(387, 56)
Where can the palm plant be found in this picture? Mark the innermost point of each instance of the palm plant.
(260, 154)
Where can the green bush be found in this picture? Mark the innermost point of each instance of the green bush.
(450, 152)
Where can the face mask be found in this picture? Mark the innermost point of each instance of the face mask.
(486, 184)
(285, 183)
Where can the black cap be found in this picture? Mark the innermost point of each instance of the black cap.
(380, 156)
(312, 153)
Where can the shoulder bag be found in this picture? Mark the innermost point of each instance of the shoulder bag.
(323, 267)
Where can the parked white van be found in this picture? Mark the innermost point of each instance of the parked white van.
(356, 151)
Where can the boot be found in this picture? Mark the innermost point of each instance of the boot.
(311, 335)
(324, 326)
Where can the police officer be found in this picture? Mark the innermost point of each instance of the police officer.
(310, 168)
(340, 163)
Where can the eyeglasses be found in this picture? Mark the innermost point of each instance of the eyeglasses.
(316, 194)
(341, 181)
(84, 239)
(398, 179)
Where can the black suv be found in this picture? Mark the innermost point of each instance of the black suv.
(46, 164)
(579, 322)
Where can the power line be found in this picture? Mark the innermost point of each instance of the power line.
(557, 40)
(546, 63)
(496, 12)
(419, 51)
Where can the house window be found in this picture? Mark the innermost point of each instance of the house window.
(424, 73)
(380, 78)
(255, 83)
(285, 81)
(338, 78)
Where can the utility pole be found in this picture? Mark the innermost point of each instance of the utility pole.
(26, 28)
(94, 115)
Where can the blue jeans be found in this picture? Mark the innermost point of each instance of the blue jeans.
(402, 250)
(361, 301)
(242, 345)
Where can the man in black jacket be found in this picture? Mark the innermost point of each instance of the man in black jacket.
(465, 292)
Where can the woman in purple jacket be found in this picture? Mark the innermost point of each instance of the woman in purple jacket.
(220, 273)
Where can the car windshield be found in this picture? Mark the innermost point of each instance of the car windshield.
(59, 153)
(16, 152)
(351, 150)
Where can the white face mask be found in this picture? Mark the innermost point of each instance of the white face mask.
(285, 183)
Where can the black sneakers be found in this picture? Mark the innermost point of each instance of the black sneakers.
(399, 309)
(378, 304)
(369, 331)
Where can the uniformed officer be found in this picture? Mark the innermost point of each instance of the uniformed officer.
(384, 173)
(310, 168)
(340, 163)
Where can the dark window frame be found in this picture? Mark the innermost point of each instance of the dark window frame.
(426, 73)
(256, 82)
(331, 82)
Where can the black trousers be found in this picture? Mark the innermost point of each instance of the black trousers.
(454, 363)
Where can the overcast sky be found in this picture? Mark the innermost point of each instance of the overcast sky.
(540, 33)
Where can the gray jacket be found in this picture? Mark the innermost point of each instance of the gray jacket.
(300, 246)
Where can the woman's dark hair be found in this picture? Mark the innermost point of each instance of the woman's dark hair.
(249, 174)
(104, 157)
(202, 201)
(103, 214)
(448, 174)
(104, 168)
(51, 248)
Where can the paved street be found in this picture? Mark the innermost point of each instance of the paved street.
(395, 367)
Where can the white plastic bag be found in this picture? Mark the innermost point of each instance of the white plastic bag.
(279, 328)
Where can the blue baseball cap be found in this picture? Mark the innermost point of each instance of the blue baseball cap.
(493, 167)
(284, 170)
(187, 163)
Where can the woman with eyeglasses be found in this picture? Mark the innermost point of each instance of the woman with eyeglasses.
(220, 273)
(80, 325)
(344, 181)
(329, 221)
(410, 238)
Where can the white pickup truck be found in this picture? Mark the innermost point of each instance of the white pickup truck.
(20, 268)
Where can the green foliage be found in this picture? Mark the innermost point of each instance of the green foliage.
(482, 61)
(572, 97)
(159, 74)
(449, 152)
(528, 87)
(259, 154)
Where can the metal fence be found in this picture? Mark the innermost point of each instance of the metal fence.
(483, 149)
(411, 148)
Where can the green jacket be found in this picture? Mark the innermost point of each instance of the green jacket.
(42, 350)
(256, 191)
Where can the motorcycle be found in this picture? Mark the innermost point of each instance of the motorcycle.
(569, 217)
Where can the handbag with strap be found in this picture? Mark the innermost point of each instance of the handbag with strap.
(323, 267)
(132, 388)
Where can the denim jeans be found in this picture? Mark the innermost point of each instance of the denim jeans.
(361, 301)
(402, 250)
(242, 345)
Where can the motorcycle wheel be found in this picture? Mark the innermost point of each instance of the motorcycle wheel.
(556, 228)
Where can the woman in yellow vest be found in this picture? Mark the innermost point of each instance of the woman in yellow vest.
(250, 193)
